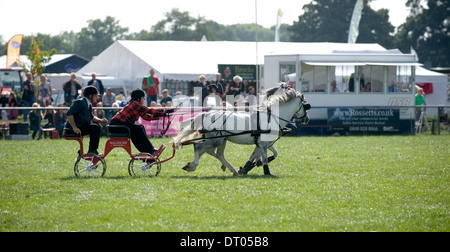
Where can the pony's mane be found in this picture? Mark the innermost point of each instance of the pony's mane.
(281, 93)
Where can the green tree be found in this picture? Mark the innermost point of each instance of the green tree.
(178, 25)
(95, 38)
(38, 58)
(329, 21)
(3, 46)
(427, 30)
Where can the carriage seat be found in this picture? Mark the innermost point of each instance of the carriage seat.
(118, 131)
(68, 133)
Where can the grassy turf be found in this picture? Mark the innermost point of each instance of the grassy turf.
(380, 183)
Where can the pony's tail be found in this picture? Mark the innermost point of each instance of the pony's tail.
(188, 130)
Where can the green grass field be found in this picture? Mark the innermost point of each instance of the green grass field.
(366, 183)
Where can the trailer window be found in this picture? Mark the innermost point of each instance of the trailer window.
(393, 85)
(372, 79)
(314, 78)
(343, 78)
(287, 73)
(404, 78)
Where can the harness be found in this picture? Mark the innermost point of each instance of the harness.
(255, 133)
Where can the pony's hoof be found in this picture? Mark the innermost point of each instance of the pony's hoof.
(242, 171)
(187, 168)
(224, 168)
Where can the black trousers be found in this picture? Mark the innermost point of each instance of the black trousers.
(93, 130)
(138, 136)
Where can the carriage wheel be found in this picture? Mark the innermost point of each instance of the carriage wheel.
(90, 164)
(144, 164)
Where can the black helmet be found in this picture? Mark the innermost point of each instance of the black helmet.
(137, 94)
(89, 90)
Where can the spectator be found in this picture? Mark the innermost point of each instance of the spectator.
(203, 86)
(4, 115)
(150, 84)
(251, 98)
(112, 112)
(420, 101)
(109, 98)
(35, 121)
(49, 116)
(334, 88)
(12, 102)
(28, 94)
(236, 87)
(217, 98)
(3, 102)
(44, 92)
(165, 98)
(71, 89)
(100, 113)
(97, 84)
(217, 87)
(393, 87)
(120, 96)
(59, 118)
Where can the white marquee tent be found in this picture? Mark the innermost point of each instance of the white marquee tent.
(186, 60)
(439, 82)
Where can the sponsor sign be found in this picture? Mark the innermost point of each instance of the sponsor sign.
(154, 128)
(247, 72)
(364, 120)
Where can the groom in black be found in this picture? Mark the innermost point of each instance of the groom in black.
(81, 120)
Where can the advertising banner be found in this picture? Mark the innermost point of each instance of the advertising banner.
(247, 72)
(364, 120)
(154, 128)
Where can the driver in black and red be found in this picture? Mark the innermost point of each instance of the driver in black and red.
(131, 113)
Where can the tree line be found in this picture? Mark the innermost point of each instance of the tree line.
(427, 30)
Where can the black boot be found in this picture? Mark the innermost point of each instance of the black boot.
(247, 167)
(270, 159)
(267, 171)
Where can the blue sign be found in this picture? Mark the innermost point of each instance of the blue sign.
(364, 120)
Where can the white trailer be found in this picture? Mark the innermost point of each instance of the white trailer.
(349, 81)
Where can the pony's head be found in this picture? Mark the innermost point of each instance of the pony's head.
(282, 93)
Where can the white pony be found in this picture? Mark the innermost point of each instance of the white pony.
(260, 126)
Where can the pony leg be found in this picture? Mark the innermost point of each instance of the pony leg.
(212, 153)
(220, 155)
(271, 158)
(265, 160)
(198, 152)
(251, 162)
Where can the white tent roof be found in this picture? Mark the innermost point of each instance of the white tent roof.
(24, 59)
(186, 60)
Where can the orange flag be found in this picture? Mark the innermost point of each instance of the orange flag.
(36, 51)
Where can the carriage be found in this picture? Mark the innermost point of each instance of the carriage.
(208, 132)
